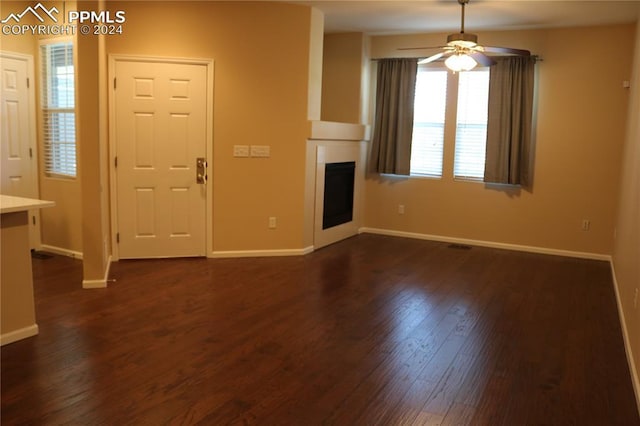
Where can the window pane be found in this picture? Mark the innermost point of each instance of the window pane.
(60, 142)
(58, 75)
(62, 127)
(428, 123)
(58, 113)
(471, 126)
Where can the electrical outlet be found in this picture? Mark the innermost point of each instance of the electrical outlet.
(272, 223)
(586, 224)
(635, 298)
(401, 209)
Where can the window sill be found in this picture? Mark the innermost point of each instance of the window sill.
(468, 179)
(65, 178)
(429, 177)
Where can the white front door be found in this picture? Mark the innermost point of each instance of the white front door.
(18, 168)
(160, 131)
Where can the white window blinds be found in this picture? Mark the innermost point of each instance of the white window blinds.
(428, 123)
(471, 126)
(58, 109)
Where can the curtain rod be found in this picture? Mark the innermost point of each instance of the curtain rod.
(535, 57)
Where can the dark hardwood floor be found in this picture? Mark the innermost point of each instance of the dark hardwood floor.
(372, 330)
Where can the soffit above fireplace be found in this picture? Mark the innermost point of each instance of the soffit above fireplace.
(331, 130)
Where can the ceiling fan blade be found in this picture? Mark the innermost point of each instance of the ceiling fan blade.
(431, 58)
(508, 50)
(482, 59)
(422, 48)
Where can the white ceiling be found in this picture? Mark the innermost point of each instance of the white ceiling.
(396, 17)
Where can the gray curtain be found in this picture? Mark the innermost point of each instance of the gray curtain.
(396, 86)
(509, 144)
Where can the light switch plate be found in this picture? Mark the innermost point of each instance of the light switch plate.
(263, 151)
(241, 150)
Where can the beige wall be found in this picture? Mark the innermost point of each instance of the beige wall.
(626, 254)
(316, 42)
(12, 43)
(582, 112)
(62, 225)
(263, 95)
(261, 54)
(17, 310)
(342, 77)
(91, 152)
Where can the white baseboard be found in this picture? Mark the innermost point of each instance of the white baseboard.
(490, 244)
(22, 333)
(89, 284)
(102, 283)
(62, 251)
(627, 344)
(261, 253)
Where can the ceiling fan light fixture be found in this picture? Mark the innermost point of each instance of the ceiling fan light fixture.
(465, 51)
(460, 62)
(466, 40)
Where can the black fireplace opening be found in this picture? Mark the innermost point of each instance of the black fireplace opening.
(338, 194)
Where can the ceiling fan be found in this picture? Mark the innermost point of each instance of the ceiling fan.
(463, 51)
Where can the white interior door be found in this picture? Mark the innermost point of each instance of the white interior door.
(18, 168)
(160, 131)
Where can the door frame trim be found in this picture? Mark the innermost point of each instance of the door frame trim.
(33, 137)
(209, 64)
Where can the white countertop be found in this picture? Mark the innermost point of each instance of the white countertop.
(9, 204)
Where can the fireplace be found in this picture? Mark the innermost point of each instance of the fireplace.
(335, 182)
(338, 194)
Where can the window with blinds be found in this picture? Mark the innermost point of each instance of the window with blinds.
(470, 107)
(58, 108)
(430, 104)
(471, 124)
